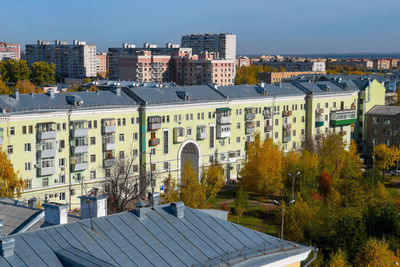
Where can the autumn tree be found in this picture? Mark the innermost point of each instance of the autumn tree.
(11, 185)
(376, 254)
(262, 170)
(192, 193)
(25, 87)
(338, 259)
(324, 183)
(14, 70)
(241, 201)
(93, 88)
(385, 157)
(212, 180)
(331, 152)
(4, 90)
(171, 193)
(42, 73)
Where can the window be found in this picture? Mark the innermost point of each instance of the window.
(61, 179)
(12, 131)
(153, 151)
(135, 153)
(137, 120)
(28, 184)
(93, 158)
(72, 192)
(294, 132)
(294, 119)
(276, 122)
(27, 166)
(95, 124)
(326, 117)
(302, 119)
(294, 145)
(132, 120)
(107, 172)
(121, 154)
(276, 134)
(121, 138)
(135, 136)
(258, 123)
(189, 131)
(64, 126)
(167, 118)
(123, 121)
(62, 143)
(211, 136)
(165, 147)
(10, 149)
(62, 196)
(58, 127)
(238, 139)
(302, 131)
(23, 129)
(90, 124)
(119, 122)
(153, 167)
(61, 162)
(93, 175)
(28, 147)
(45, 182)
(326, 105)
(211, 159)
(334, 104)
(238, 125)
(166, 166)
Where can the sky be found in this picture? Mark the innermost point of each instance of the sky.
(261, 26)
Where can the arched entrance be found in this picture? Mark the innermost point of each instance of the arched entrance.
(190, 151)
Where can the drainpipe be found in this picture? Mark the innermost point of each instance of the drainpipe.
(313, 258)
(68, 158)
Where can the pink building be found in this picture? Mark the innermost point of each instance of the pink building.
(101, 64)
(8, 50)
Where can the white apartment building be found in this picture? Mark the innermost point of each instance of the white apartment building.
(222, 45)
(76, 60)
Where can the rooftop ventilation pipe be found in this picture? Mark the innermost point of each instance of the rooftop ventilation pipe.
(55, 214)
(93, 206)
(177, 209)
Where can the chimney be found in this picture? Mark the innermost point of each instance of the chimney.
(32, 202)
(7, 246)
(93, 206)
(55, 213)
(140, 209)
(262, 84)
(154, 199)
(51, 92)
(17, 94)
(216, 86)
(118, 91)
(177, 209)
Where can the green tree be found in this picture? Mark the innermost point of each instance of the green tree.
(42, 73)
(212, 180)
(192, 193)
(11, 185)
(14, 70)
(241, 201)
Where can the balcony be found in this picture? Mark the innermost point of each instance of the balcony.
(223, 131)
(268, 128)
(46, 171)
(343, 117)
(47, 135)
(286, 113)
(224, 120)
(154, 141)
(79, 166)
(108, 162)
(179, 139)
(47, 153)
(154, 123)
(250, 127)
(201, 132)
(109, 146)
(343, 133)
(267, 114)
(286, 139)
(109, 129)
(80, 132)
(319, 111)
(319, 121)
(287, 126)
(79, 149)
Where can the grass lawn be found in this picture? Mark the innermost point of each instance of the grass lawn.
(392, 186)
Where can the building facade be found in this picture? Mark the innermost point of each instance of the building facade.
(222, 45)
(63, 144)
(76, 60)
(276, 77)
(9, 51)
(101, 64)
(383, 127)
(295, 66)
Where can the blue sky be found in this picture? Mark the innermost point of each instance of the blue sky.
(261, 26)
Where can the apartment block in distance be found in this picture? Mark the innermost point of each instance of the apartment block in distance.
(276, 77)
(76, 60)
(9, 51)
(101, 64)
(222, 45)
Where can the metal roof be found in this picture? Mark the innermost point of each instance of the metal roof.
(157, 238)
(60, 101)
(385, 110)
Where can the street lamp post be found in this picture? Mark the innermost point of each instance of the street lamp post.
(293, 177)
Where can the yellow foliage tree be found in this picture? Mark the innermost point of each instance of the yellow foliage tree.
(262, 170)
(376, 254)
(93, 88)
(385, 157)
(11, 184)
(331, 152)
(212, 180)
(338, 259)
(4, 90)
(171, 193)
(192, 193)
(25, 87)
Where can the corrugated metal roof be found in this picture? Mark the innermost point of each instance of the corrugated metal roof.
(158, 238)
(385, 110)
